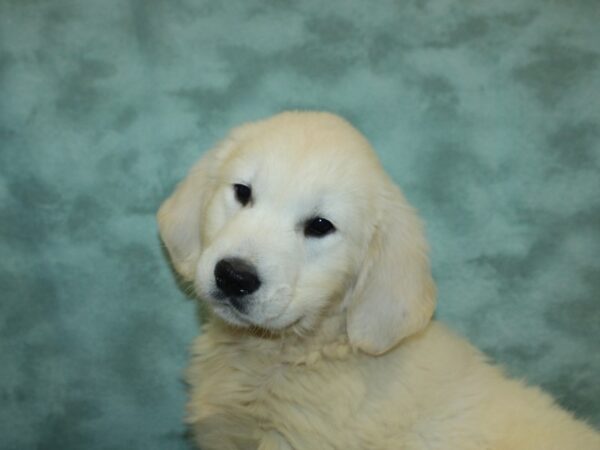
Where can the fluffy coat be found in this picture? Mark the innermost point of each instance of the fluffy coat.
(336, 350)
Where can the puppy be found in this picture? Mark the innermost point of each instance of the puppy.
(320, 334)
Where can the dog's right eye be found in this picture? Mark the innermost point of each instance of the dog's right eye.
(243, 193)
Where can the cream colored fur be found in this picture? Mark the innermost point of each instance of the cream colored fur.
(336, 349)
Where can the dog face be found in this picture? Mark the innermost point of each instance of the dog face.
(293, 216)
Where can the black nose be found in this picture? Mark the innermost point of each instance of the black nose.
(236, 277)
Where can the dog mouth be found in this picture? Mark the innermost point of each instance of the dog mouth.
(229, 306)
(250, 312)
(237, 304)
(230, 313)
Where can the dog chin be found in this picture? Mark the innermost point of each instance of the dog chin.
(278, 324)
(230, 315)
(254, 317)
(242, 320)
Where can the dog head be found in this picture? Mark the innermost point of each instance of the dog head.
(292, 216)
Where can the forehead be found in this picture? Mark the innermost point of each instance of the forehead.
(316, 166)
(315, 153)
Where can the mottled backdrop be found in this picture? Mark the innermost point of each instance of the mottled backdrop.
(486, 113)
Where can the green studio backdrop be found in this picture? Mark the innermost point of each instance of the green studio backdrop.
(486, 113)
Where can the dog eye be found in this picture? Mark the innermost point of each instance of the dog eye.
(318, 227)
(243, 193)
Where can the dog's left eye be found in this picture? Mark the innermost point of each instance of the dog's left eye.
(318, 227)
(243, 193)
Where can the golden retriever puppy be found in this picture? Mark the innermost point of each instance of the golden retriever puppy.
(320, 337)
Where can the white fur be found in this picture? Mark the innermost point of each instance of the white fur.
(336, 350)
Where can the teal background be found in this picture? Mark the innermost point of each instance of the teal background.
(486, 113)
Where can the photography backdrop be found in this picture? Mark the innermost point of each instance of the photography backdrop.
(486, 113)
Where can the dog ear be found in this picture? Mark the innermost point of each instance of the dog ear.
(394, 295)
(180, 216)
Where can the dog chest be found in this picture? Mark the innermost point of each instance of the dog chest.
(255, 395)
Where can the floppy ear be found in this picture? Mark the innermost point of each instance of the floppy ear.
(180, 215)
(394, 296)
